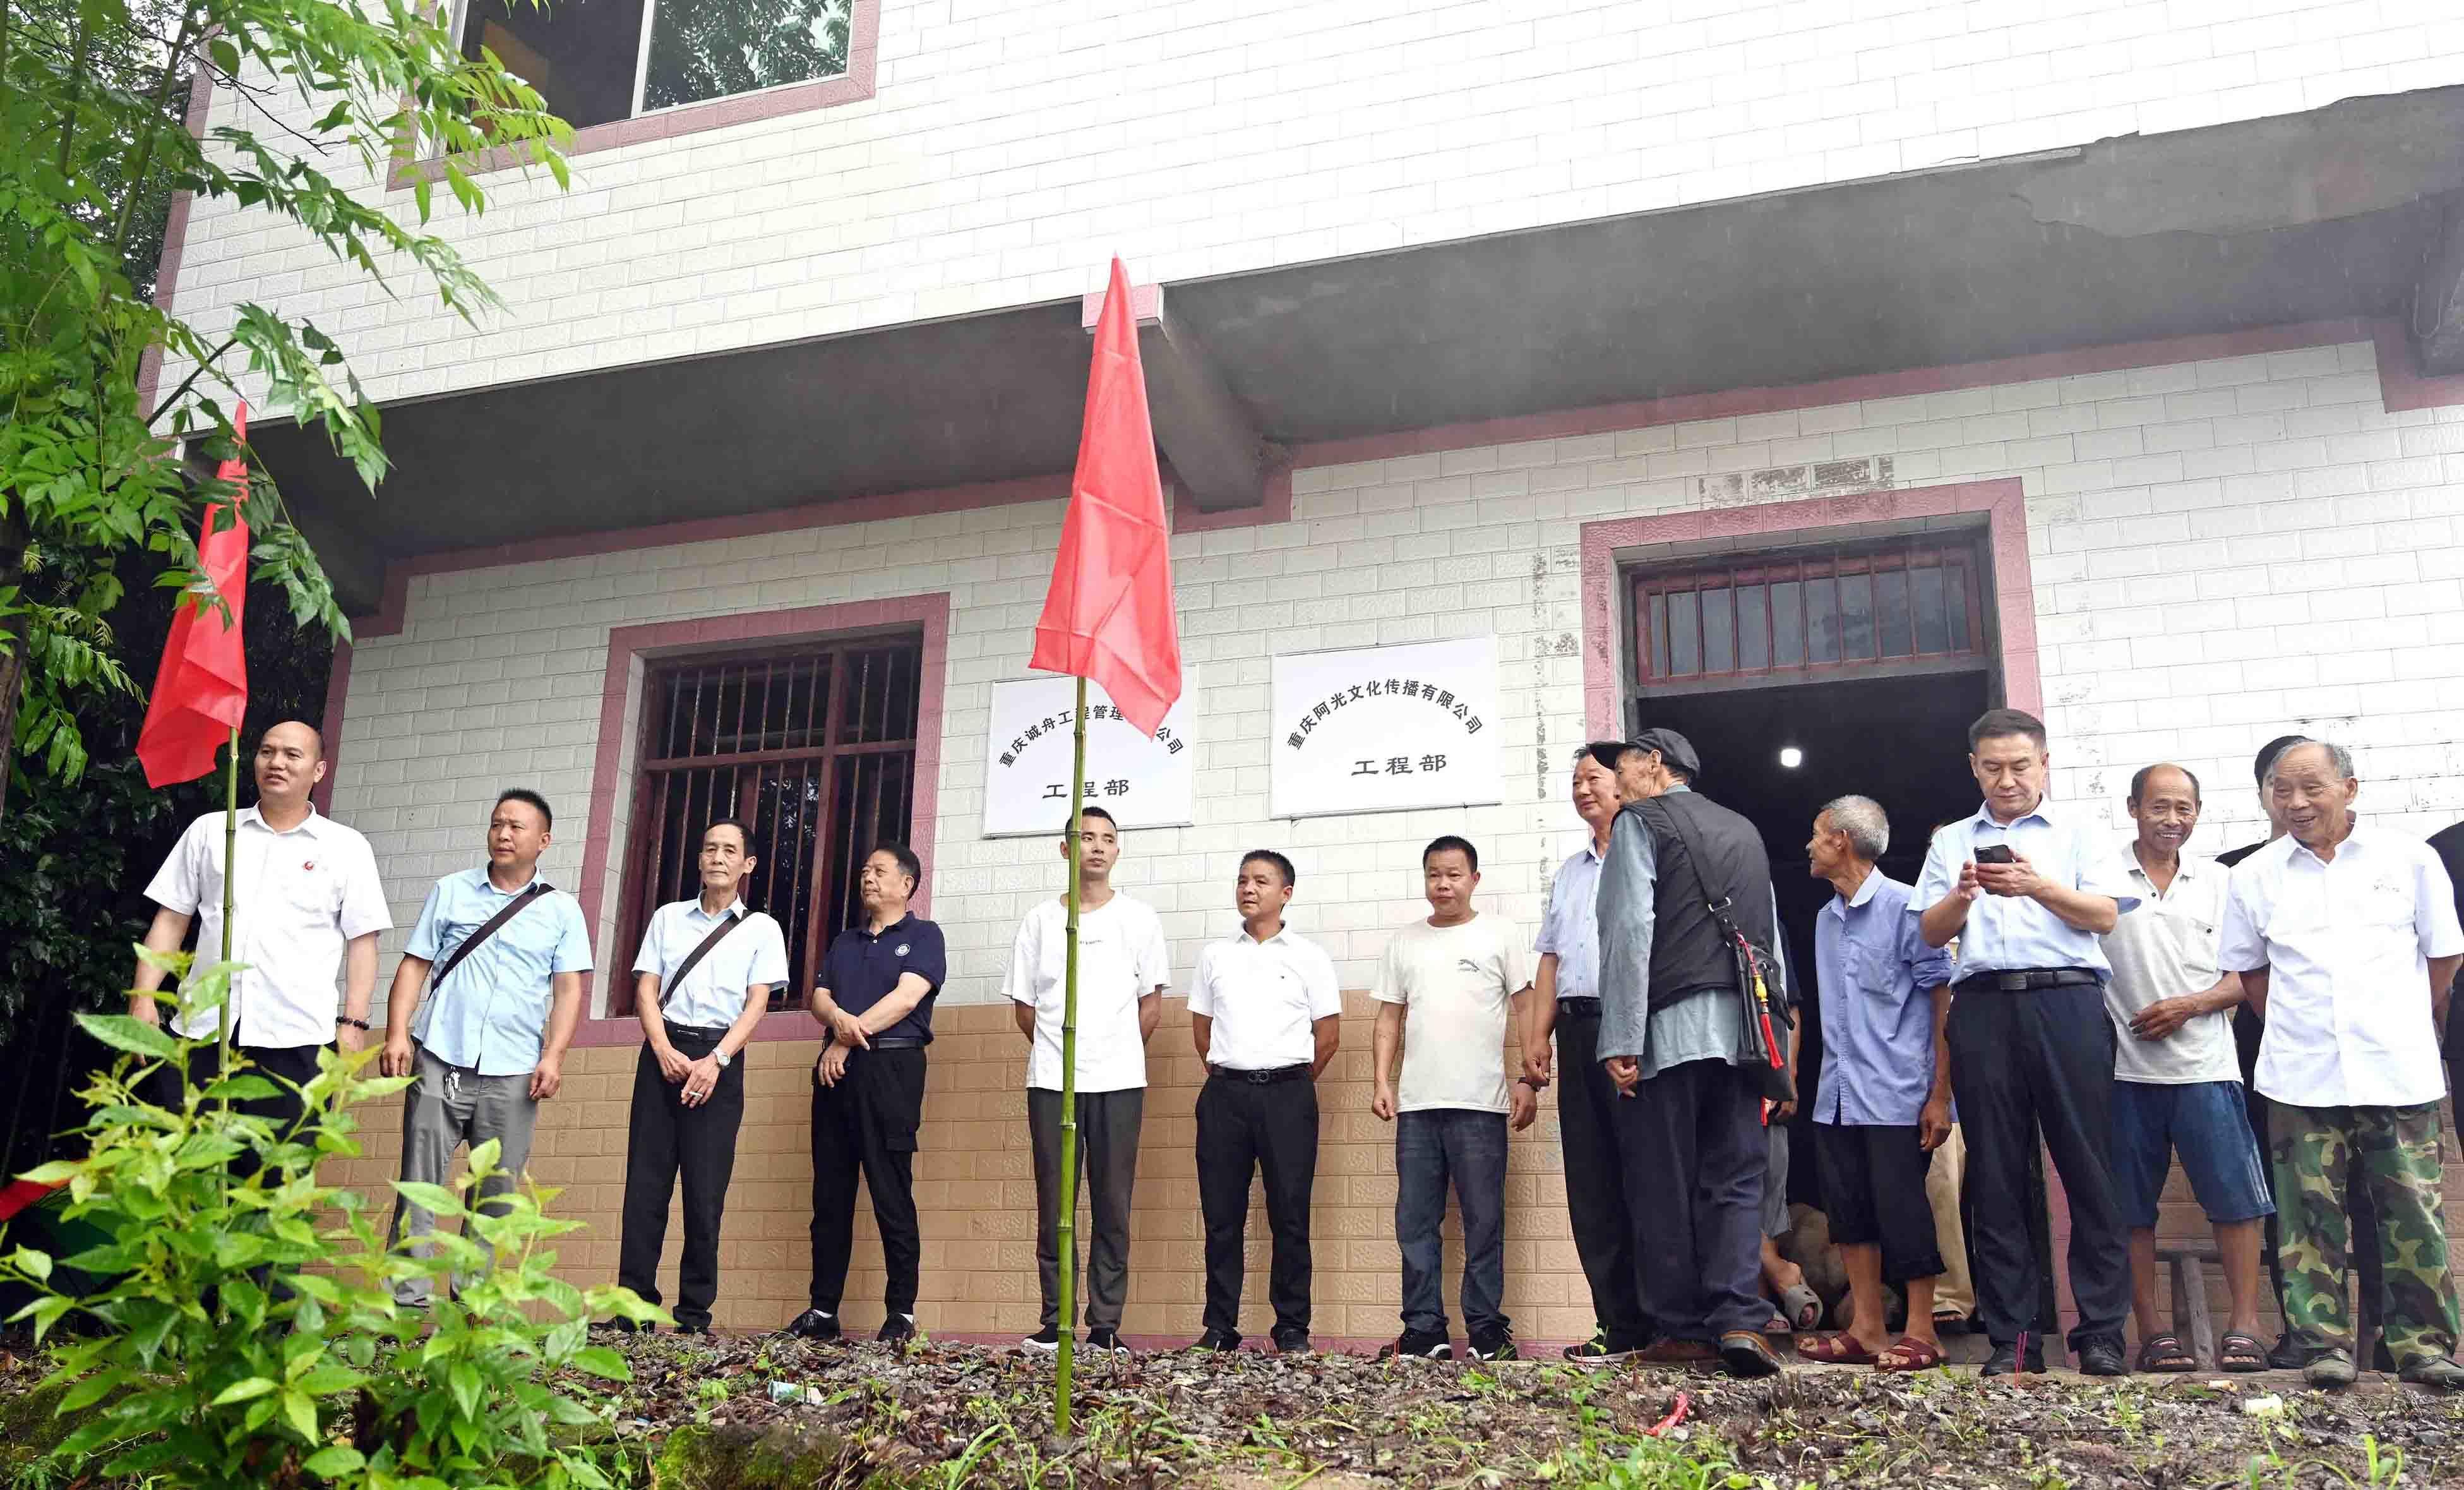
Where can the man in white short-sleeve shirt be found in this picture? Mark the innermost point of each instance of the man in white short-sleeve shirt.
(1446, 990)
(698, 992)
(2177, 1082)
(1123, 966)
(307, 907)
(1266, 1015)
(2345, 937)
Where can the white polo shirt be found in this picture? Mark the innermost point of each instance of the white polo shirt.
(2163, 947)
(713, 994)
(302, 896)
(1265, 997)
(1121, 959)
(2347, 944)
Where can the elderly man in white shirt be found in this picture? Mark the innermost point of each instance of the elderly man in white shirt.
(2346, 939)
(307, 907)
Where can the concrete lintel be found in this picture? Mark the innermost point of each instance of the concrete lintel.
(1216, 447)
(2436, 317)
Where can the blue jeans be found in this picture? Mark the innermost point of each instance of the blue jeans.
(1432, 1147)
(2208, 1123)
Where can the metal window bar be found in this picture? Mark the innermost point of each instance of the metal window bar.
(814, 749)
(1840, 611)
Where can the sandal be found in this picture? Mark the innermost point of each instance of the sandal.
(1908, 1353)
(1839, 1350)
(1802, 1305)
(2240, 1352)
(2163, 1355)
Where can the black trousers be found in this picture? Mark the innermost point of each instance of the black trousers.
(1694, 1150)
(665, 1137)
(1586, 1110)
(866, 1125)
(2021, 1062)
(1108, 1162)
(1245, 1128)
(288, 1067)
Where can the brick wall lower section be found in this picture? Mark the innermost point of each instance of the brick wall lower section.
(975, 1191)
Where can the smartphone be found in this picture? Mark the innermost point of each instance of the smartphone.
(1993, 853)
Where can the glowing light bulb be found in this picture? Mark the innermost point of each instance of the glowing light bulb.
(1791, 757)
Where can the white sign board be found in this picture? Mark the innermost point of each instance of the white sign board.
(1384, 728)
(1142, 783)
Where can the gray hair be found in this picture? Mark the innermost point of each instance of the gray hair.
(2338, 757)
(1863, 820)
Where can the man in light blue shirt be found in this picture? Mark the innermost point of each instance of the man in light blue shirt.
(487, 1044)
(1883, 1103)
(1566, 1005)
(2028, 888)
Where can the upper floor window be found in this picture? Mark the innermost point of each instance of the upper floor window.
(596, 61)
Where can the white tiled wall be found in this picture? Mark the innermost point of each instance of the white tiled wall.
(2221, 550)
(1011, 148)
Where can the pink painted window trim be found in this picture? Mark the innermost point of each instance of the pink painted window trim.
(627, 645)
(852, 86)
(2002, 501)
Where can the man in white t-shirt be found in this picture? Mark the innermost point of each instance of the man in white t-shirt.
(1123, 966)
(1266, 1015)
(1455, 979)
(308, 907)
(2176, 1078)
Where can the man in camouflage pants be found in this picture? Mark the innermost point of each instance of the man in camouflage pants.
(2347, 939)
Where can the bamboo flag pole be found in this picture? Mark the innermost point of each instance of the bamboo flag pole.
(1068, 1230)
(230, 876)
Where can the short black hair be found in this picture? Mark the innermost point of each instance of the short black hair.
(2138, 780)
(2268, 753)
(1445, 841)
(737, 823)
(1090, 810)
(1995, 724)
(526, 795)
(908, 862)
(1608, 752)
(1282, 865)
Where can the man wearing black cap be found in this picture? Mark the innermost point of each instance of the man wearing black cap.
(1673, 1028)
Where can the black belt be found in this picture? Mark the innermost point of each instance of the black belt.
(1259, 1078)
(1579, 1008)
(2023, 979)
(695, 1031)
(897, 1042)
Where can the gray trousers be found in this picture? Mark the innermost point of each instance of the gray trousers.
(446, 1108)
(1107, 1164)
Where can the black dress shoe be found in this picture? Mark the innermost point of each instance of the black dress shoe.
(814, 1325)
(2287, 1354)
(2101, 1358)
(2005, 1362)
(1744, 1354)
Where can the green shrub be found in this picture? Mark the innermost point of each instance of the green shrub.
(242, 1330)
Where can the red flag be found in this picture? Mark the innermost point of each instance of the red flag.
(1109, 616)
(202, 691)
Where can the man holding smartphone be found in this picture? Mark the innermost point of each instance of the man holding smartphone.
(2026, 889)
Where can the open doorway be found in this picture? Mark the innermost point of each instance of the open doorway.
(1812, 670)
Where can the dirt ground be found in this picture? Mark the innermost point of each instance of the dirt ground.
(772, 1414)
(1255, 1419)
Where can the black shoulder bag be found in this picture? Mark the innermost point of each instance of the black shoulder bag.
(1768, 1019)
(718, 934)
(494, 924)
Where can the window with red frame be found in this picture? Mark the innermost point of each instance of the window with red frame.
(813, 747)
(1816, 614)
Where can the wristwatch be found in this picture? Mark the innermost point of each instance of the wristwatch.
(723, 1057)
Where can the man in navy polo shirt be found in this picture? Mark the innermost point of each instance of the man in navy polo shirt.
(875, 994)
